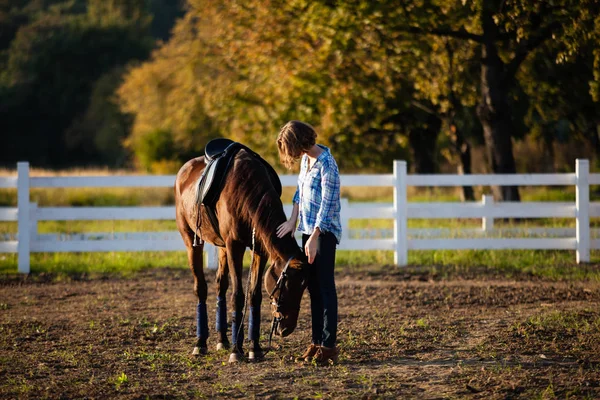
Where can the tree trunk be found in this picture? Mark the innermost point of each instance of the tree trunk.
(422, 141)
(493, 109)
(549, 156)
(463, 149)
(467, 193)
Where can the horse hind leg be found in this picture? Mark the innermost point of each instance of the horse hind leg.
(222, 286)
(195, 261)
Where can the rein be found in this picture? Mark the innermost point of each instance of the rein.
(277, 304)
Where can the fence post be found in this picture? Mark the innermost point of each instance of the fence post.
(582, 205)
(487, 223)
(23, 235)
(400, 209)
(345, 221)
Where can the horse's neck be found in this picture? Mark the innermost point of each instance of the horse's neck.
(279, 248)
(286, 248)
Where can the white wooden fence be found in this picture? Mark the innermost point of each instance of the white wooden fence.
(27, 214)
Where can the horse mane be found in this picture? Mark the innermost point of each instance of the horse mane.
(261, 205)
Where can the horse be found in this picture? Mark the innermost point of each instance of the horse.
(248, 210)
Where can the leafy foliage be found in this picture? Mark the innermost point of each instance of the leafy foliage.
(377, 80)
(61, 62)
(419, 80)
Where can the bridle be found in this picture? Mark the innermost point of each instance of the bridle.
(276, 304)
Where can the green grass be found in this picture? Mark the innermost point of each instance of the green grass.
(93, 265)
(120, 380)
(568, 333)
(100, 197)
(548, 264)
(68, 227)
(565, 321)
(164, 196)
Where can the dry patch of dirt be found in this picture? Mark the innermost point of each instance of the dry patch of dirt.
(399, 337)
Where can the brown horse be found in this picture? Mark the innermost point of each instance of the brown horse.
(247, 201)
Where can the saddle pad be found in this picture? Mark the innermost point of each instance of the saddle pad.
(213, 178)
(206, 181)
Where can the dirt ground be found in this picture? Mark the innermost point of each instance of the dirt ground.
(400, 335)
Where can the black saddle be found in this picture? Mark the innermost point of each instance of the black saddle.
(219, 154)
(216, 147)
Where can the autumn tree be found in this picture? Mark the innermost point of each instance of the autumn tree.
(506, 33)
(376, 78)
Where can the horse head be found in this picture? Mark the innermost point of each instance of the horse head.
(285, 281)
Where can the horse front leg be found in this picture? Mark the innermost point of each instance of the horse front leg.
(196, 259)
(222, 286)
(256, 270)
(235, 257)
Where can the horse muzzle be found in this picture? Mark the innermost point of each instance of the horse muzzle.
(284, 331)
(281, 323)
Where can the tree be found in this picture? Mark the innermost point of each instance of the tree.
(101, 130)
(51, 68)
(375, 78)
(506, 32)
(560, 100)
(59, 62)
(252, 67)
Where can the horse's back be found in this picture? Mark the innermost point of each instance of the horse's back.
(185, 191)
(188, 174)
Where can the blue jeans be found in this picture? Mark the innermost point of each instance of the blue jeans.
(321, 287)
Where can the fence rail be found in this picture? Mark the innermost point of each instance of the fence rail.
(399, 240)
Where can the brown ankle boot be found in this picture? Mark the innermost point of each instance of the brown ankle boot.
(327, 355)
(309, 353)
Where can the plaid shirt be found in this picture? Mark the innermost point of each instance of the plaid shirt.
(318, 195)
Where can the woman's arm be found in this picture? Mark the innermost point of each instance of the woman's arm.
(290, 225)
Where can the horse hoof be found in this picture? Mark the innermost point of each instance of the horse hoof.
(234, 358)
(222, 346)
(199, 351)
(256, 355)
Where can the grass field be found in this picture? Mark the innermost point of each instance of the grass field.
(553, 264)
(556, 264)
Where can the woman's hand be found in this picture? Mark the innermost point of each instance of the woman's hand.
(310, 248)
(285, 228)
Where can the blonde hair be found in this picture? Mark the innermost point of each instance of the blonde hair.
(294, 138)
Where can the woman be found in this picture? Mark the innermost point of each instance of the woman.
(317, 204)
